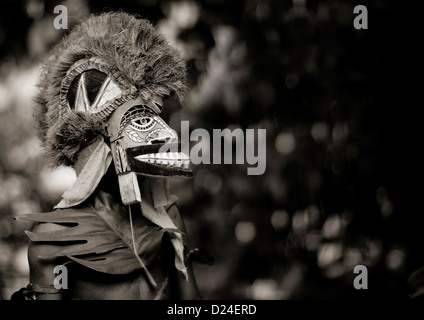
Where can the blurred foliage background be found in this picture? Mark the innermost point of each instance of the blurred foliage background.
(342, 185)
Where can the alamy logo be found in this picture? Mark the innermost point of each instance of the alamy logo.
(61, 280)
(221, 151)
(61, 21)
(361, 280)
(361, 20)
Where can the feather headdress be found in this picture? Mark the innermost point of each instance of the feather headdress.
(129, 50)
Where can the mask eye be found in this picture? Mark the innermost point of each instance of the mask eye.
(140, 118)
(90, 90)
(142, 123)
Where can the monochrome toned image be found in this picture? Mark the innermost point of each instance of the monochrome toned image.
(209, 150)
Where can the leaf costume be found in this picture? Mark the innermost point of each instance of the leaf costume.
(98, 109)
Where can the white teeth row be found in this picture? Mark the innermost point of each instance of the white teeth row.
(173, 159)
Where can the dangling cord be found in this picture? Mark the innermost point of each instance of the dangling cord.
(149, 276)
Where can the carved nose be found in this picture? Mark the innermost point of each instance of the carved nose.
(164, 139)
(164, 136)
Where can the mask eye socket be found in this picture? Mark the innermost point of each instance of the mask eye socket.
(142, 123)
(139, 118)
(90, 90)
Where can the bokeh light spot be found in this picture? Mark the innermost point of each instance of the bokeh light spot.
(292, 80)
(395, 259)
(340, 133)
(245, 231)
(279, 219)
(332, 227)
(213, 183)
(20, 260)
(285, 143)
(264, 289)
(53, 183)
(329, 253)
(300, 221)
(386, 205)
(319, 131)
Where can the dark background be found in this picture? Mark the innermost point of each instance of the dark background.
(343, 183)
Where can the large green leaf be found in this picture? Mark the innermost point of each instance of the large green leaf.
(100, 238)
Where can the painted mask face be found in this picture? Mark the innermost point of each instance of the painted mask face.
(141, 142)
